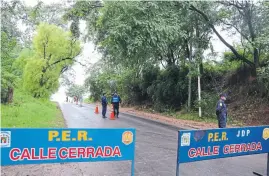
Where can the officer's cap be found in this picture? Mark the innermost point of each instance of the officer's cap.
(223, 95)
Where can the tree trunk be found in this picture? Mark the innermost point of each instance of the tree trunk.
(199, 92)
(10, 95)
(256, 57)
(249, 19)
(238, 56)
(189, 94)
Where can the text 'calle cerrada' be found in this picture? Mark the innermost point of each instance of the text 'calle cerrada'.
(64, 153)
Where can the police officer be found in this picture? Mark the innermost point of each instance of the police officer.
(104, 105)
(115, 101)
(221, 111)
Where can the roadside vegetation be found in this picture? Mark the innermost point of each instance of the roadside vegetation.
(159, 56)
(32, 61)
(29, 112)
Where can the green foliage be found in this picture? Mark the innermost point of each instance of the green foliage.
(208, 104)
(33, 76)
(263, 79)
(54, 51)
(89, 100)
(133, 32)
(26, 111)
(165, 89)
(20, 62)
(135, 39)
(84, 10)
(169, 90)
(7, 59)
(8, 78)
(53, 43)
(75, 90)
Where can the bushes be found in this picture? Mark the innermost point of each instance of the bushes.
(89, 100)
(169, 89)
(164, 89)
(263, 79)
(208, 104)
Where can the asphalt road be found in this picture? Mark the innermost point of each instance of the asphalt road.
(156, 151)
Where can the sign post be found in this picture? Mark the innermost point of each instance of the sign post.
(178, 147)
(39, 146)
(198, 145)
(267, 164)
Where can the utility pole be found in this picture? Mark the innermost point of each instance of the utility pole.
(198, 59)
(190, 77)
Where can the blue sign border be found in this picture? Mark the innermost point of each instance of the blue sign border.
(194, 140)
(34, 139)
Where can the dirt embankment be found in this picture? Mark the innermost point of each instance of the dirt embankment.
(250, 110)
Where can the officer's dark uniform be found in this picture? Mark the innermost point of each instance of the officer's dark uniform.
(115, 101)
(221, 112)
(104, 105)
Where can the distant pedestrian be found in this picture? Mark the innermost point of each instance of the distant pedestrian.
(76, 100)
(115, 101)
(80, 101)
(104, 105)
(221, 111)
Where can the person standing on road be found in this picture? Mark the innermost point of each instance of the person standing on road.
(104, 105)
(80, 101)
(115, 101)
(221, 111)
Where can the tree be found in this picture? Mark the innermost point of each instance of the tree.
(247, 18)
(10, 47)
(135, 32)
(55, 50)
(8, 78)
(210, 23)
(11, 12)
(198, 39)
(83, 10)
(75, 90)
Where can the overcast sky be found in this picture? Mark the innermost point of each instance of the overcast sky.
(92, 56)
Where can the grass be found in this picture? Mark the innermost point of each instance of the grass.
(190, 116)
(89, 100)
(195, 117)
(26, 111)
